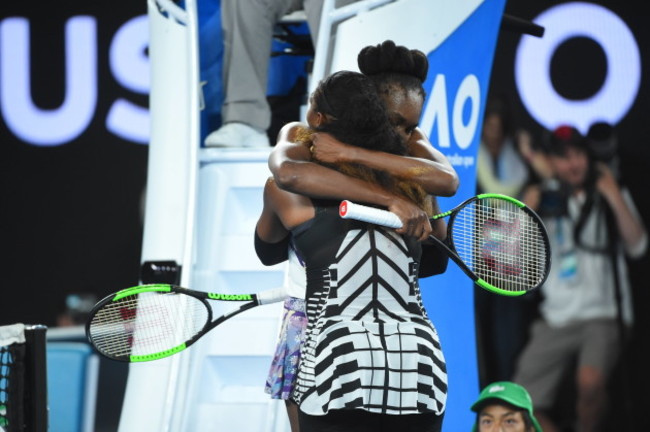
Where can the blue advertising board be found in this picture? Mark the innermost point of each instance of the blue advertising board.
(457, 88)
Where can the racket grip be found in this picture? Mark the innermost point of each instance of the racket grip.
(350, 210)
(272, 295)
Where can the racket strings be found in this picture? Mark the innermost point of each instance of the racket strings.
(501, 243)
(146, 323)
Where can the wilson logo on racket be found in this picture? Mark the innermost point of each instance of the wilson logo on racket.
(230, 297)
(151, 322)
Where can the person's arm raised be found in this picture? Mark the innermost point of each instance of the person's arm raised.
(629, 224)
(424, 164)
(293, 171)
(290, 163)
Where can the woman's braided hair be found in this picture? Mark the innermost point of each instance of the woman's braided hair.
(357, 116)
(394, 67)
(356, 113)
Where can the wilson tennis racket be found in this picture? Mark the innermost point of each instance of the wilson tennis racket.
(499, 242)
(150, 322)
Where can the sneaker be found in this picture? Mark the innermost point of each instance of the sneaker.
(237, 135)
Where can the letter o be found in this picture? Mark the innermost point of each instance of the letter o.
(534, 55)
(469, 89)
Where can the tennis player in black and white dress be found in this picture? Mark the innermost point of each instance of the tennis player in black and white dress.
(372, 359)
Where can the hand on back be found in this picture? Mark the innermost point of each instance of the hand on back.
(328, 149)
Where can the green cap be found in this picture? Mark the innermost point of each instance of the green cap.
(509, 392)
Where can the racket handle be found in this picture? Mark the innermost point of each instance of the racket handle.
(272, 295)
(350, 210)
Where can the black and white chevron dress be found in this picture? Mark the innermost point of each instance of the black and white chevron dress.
(369, 343)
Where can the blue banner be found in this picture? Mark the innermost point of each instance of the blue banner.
(457, 88)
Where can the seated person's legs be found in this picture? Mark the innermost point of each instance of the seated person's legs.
(247, 33)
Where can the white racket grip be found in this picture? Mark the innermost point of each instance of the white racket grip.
(350, 210)
(273, 295)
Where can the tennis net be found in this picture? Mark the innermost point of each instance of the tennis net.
(23, 380)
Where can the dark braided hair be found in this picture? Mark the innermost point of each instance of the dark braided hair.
(394, 67)
(357, 116)
(356, 112)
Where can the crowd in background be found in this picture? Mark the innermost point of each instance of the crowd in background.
(568, 343)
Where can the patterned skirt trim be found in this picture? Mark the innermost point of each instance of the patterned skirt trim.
(284, 367)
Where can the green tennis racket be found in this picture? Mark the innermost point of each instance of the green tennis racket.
(150, 322)
(496, 240)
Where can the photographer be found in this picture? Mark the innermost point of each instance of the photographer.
(585, 309)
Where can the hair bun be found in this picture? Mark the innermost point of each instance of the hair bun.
(388, 57)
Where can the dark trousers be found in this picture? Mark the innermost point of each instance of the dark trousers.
(357, 420)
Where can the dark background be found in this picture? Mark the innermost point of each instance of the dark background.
(70, 215)
(70, 219)
(578, 69)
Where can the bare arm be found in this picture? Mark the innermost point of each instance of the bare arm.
(291, 166)
(281, 210)
(293, 171)
(425, 165)
(269, 227)
(629, 225)
(439, 226)
(536, 159)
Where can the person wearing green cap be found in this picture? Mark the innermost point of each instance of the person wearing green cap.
(504, 406)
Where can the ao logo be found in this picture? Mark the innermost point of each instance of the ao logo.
(619, 90)
(52, 127)
(469, 92)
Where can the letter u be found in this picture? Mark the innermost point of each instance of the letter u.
(53, 126)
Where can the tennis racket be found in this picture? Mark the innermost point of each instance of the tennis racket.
(150, 322)
(496, 240)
